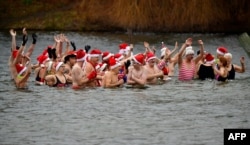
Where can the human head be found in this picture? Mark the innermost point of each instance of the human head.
(229, 57)
(60, 67)
(70, 57)
(114, 65)
(221, 51)
(138, 60)
(209, 58)
(223, 61)
(94, 56)
(150, 59)
(189, 53)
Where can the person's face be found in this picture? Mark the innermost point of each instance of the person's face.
(190, 56)
(228, 58)
(152, 62)
(72, 60)
(61, 68)
(219, 55)
(95, 59)
(135, 64)
(116, 70)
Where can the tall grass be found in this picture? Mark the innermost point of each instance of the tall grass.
(142, 15)
(183, 15)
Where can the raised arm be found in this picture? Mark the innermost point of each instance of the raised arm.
(32, 46)
(188, 42)
(13, 41)
(199, 57)
(240, 69)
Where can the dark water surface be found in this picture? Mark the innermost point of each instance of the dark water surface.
(175, 113)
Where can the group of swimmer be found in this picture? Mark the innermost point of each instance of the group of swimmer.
(63, 64)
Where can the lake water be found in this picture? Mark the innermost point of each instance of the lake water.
(175, 113)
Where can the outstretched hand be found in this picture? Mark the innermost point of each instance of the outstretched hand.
(12, 32)
(200, 42)
(242, 60)
(188, 41)
(146, 44)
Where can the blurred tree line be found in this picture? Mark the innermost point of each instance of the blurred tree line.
(139, 15)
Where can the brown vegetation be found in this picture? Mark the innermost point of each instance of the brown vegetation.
(140, 15)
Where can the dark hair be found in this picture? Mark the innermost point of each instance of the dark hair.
(68, 57)
(223, 60)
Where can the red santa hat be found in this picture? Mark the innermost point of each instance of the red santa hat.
(106, 55)
(80, 55)
(122, 47)
(221, 50)
(139, 58)
(209, 58)
(42, 59)
(95, 53)
(113, 63)
(101, 66)
(150, 56)
(71, 52)
(118, 56)
(58, 65)
(20, 69)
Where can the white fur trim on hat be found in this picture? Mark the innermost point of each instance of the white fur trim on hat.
(219, 52)
(93, 55)
(23, 70)
(121, 51)
(97, 66)
(151, 58)
(189, 50)
(120, 58)
(115, 66)
(58, 65)
(103, 66)
(81, 59)
(210, 62)
(136, 60)
(108, 56)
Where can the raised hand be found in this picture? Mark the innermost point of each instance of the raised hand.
(146, 44)
(12, 32)
(189, 41)
(242, 60)
(176, 44)
(131, 47)
(57, 39)
(200, 42)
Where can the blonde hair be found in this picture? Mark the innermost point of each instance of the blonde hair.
(228, 55)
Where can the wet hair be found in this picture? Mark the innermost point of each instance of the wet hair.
(68, 57)
(228, 55)
(223, 61)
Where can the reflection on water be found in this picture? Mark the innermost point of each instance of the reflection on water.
(189, 113)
